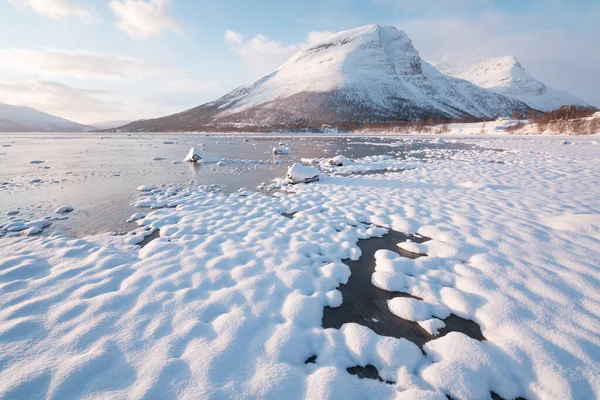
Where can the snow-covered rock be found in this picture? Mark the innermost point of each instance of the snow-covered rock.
(193, 155)
(338, 161)
(299, 173)
(506, 76)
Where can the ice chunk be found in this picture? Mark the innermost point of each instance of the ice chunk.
(145, 188)
(298, 173)
(12, 212)
(280, 150)
(193, 155)
(338, 161)
(63, 210)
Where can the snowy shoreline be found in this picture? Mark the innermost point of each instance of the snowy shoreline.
(229, 300)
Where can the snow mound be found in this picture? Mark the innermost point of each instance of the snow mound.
(299, 173)
(582, 224)
(338, 161)
(416, 310)
(63, 210)
(145, 188)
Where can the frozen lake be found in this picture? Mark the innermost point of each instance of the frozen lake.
(417, 261)
(97, 174)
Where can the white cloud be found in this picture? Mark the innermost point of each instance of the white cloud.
(57, 9)
(50, 63)
(262, 55)
(234, 38)
(141, 19)
(81, 105)
(139, 89)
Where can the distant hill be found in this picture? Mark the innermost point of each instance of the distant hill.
(26, 119)
(367, 74)
(110, 124)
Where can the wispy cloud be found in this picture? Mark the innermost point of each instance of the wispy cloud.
(79, 64)
(261, 55)
(141, 19)
(57, 9)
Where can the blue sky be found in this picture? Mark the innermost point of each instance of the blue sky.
(97, 60)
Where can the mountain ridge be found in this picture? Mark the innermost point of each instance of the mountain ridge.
(506, 76)
(367, 74)
(26, 119)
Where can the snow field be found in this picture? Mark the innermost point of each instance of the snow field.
(228, 301)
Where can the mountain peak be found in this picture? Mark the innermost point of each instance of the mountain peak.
(505, 75)
(365, 74)
(499, 63)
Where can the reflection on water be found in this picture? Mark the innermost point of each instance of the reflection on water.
(97, 174)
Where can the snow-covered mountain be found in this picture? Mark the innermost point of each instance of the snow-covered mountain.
(25, 119)
(506, 76)
(367, 74)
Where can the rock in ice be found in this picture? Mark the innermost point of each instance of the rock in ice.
(193, 155)
(298, 173)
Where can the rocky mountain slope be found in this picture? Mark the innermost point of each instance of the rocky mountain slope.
(506, 76)
(367, 74)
